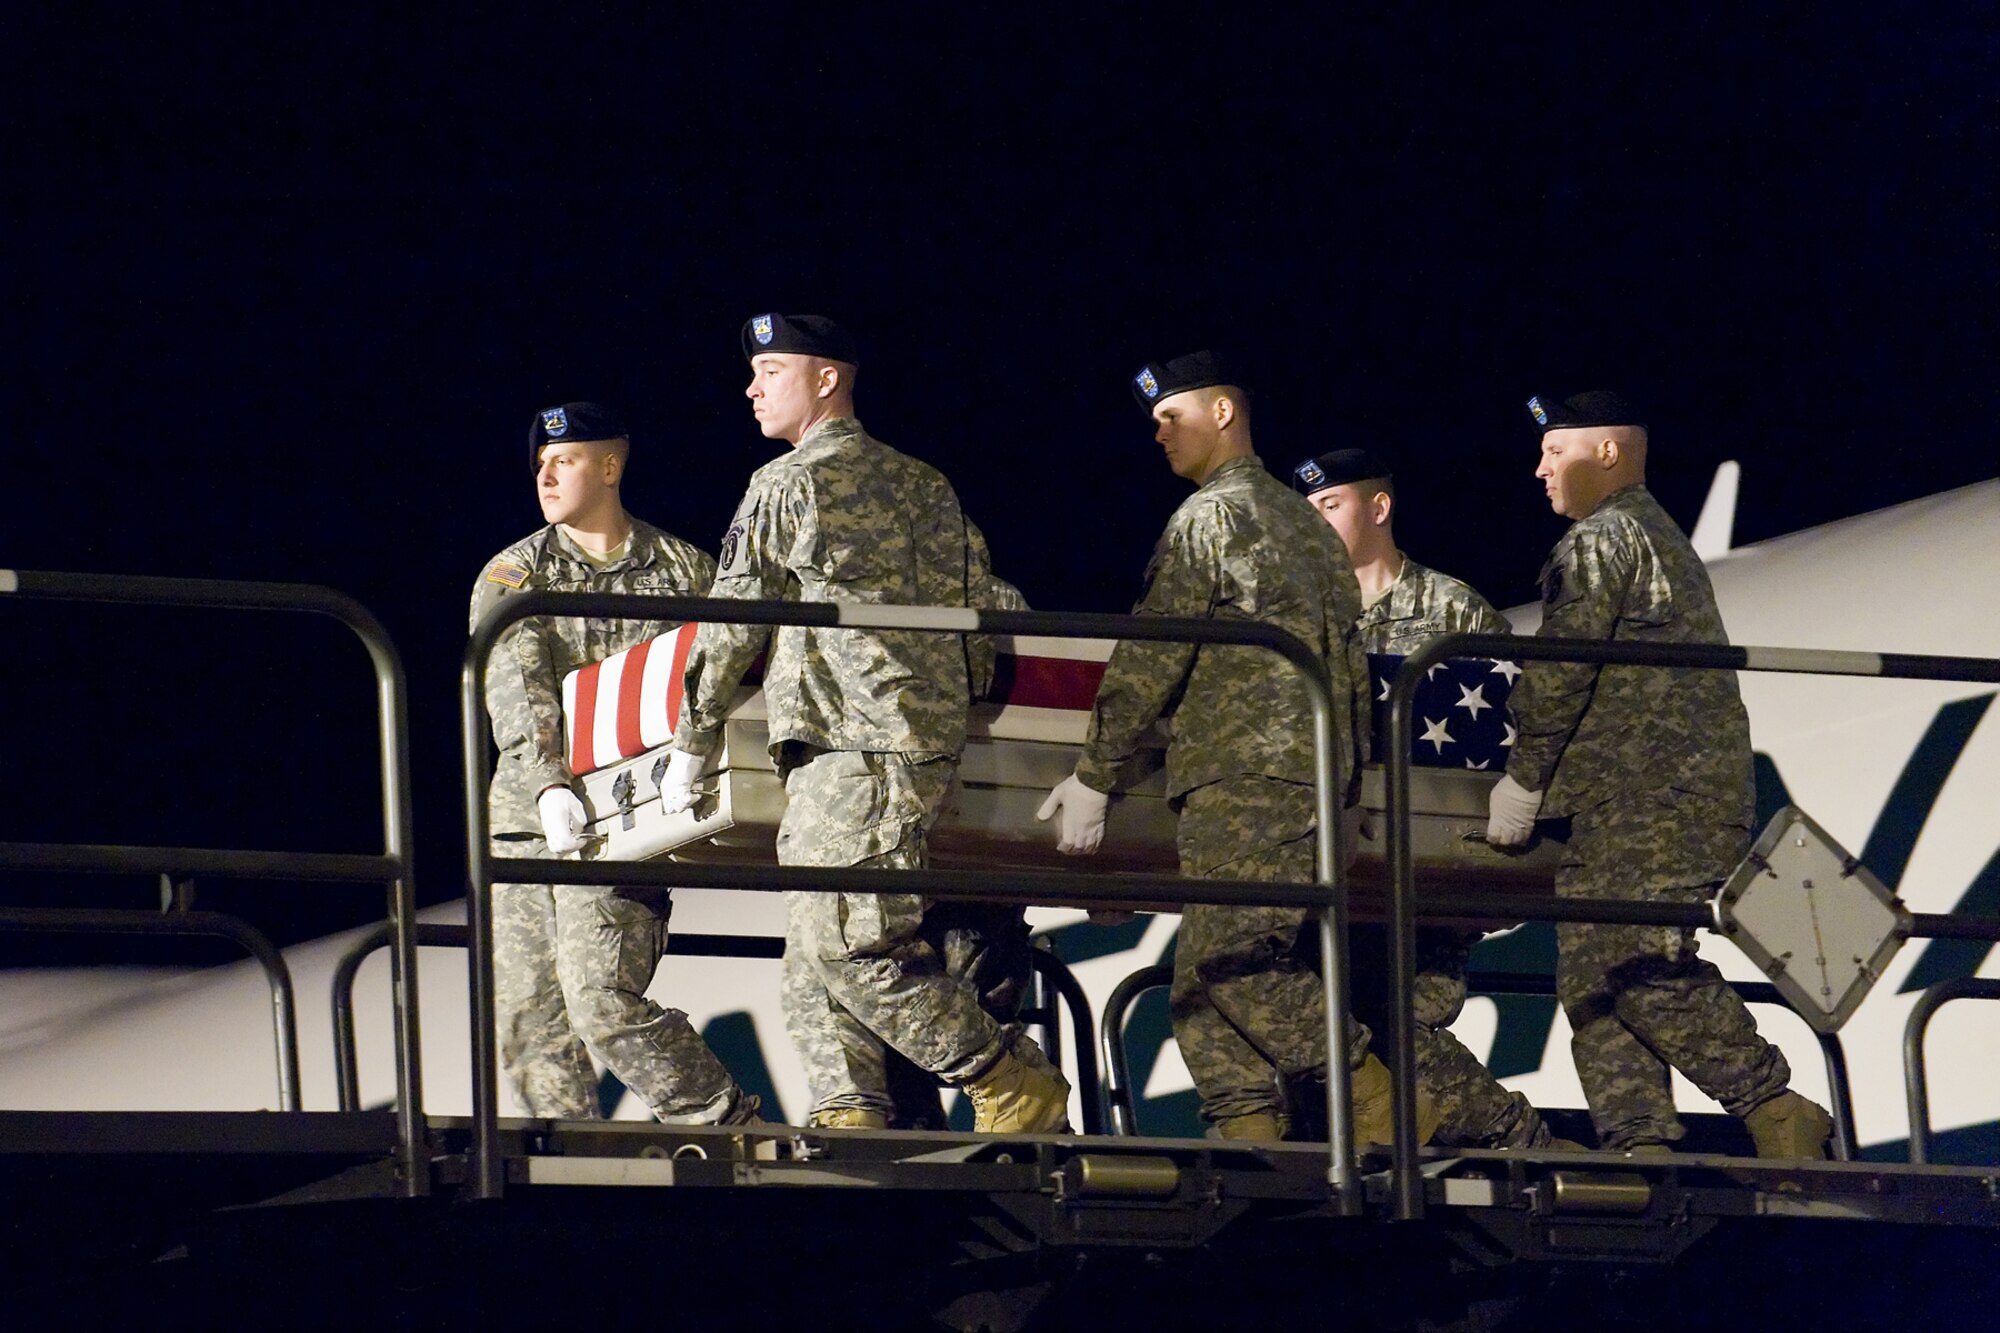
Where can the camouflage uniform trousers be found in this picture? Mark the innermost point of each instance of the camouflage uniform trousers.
(865, 971)
(1474, 1110)
(984, 947)
(1641, 998)
(570, 970)
(1248, 1004)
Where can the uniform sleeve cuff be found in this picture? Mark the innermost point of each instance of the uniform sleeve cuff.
(1096, 777)
(550, 773)
(700, 744)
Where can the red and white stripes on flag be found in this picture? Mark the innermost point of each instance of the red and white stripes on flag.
(631, 702)
(626, 704)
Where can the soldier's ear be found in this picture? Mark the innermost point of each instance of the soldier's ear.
(829, 380)
(1224, 410)
(1381, 506)
(1608, 453)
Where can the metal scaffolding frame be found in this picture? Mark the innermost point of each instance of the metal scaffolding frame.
(1326, 897)
(391, 868)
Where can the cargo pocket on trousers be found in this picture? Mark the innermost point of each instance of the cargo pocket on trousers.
(878, 923)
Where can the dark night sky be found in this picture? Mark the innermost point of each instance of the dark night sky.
(282, 298)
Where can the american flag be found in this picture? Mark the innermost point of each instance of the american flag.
(626, 704)
(630, 702)
(1460, 717)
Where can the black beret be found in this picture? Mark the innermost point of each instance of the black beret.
(572, 421)
(805, 335)
(1337, 469)
(1196, 370)
(1599, 407)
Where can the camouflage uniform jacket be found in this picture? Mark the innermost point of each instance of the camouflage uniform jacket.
(842, 518)
(1421, 605)
(1591, 734)
(525, 673)
(1244, 546)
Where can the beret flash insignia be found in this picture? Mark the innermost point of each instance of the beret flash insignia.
(1147, 384)
(761, 329)
(1310, 472)
(1535, 406)
(555, 423)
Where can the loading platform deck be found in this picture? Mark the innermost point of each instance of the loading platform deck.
(300, 1219)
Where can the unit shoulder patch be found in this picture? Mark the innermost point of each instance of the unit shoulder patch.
(511, 576)
(735, 554)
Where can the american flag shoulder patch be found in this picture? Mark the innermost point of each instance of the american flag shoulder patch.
(512, 576)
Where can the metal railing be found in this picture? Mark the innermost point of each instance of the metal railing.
(1118, 1078)
(391, 868)
(443, 935)
(1054, 975)
(1326, 897)
(219, 925)
(1916, 1081)
(346, 1064)
(1406, 1184)
(1111, 1037)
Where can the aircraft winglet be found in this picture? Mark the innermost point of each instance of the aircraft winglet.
(1712, 531)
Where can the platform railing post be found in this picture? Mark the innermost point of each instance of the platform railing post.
(1916, 1083)
(487, 1178)
(1060, 990)
(399, 842)
(1111, 1042)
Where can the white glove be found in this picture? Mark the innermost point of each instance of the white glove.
(677, 784)
(1080, 831)
(1510, 813)
(563, 819)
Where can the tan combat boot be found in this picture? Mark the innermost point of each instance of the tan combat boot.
(848, 1117)
(1373, 1107)
(1020, 1093)
(1790, 1126)
(1257, 1127)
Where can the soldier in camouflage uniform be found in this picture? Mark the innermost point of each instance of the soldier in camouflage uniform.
(1653, 767)
(1406, 605)
(984, 946)
(572, 964)
(1247, 1003)
(866, 726)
